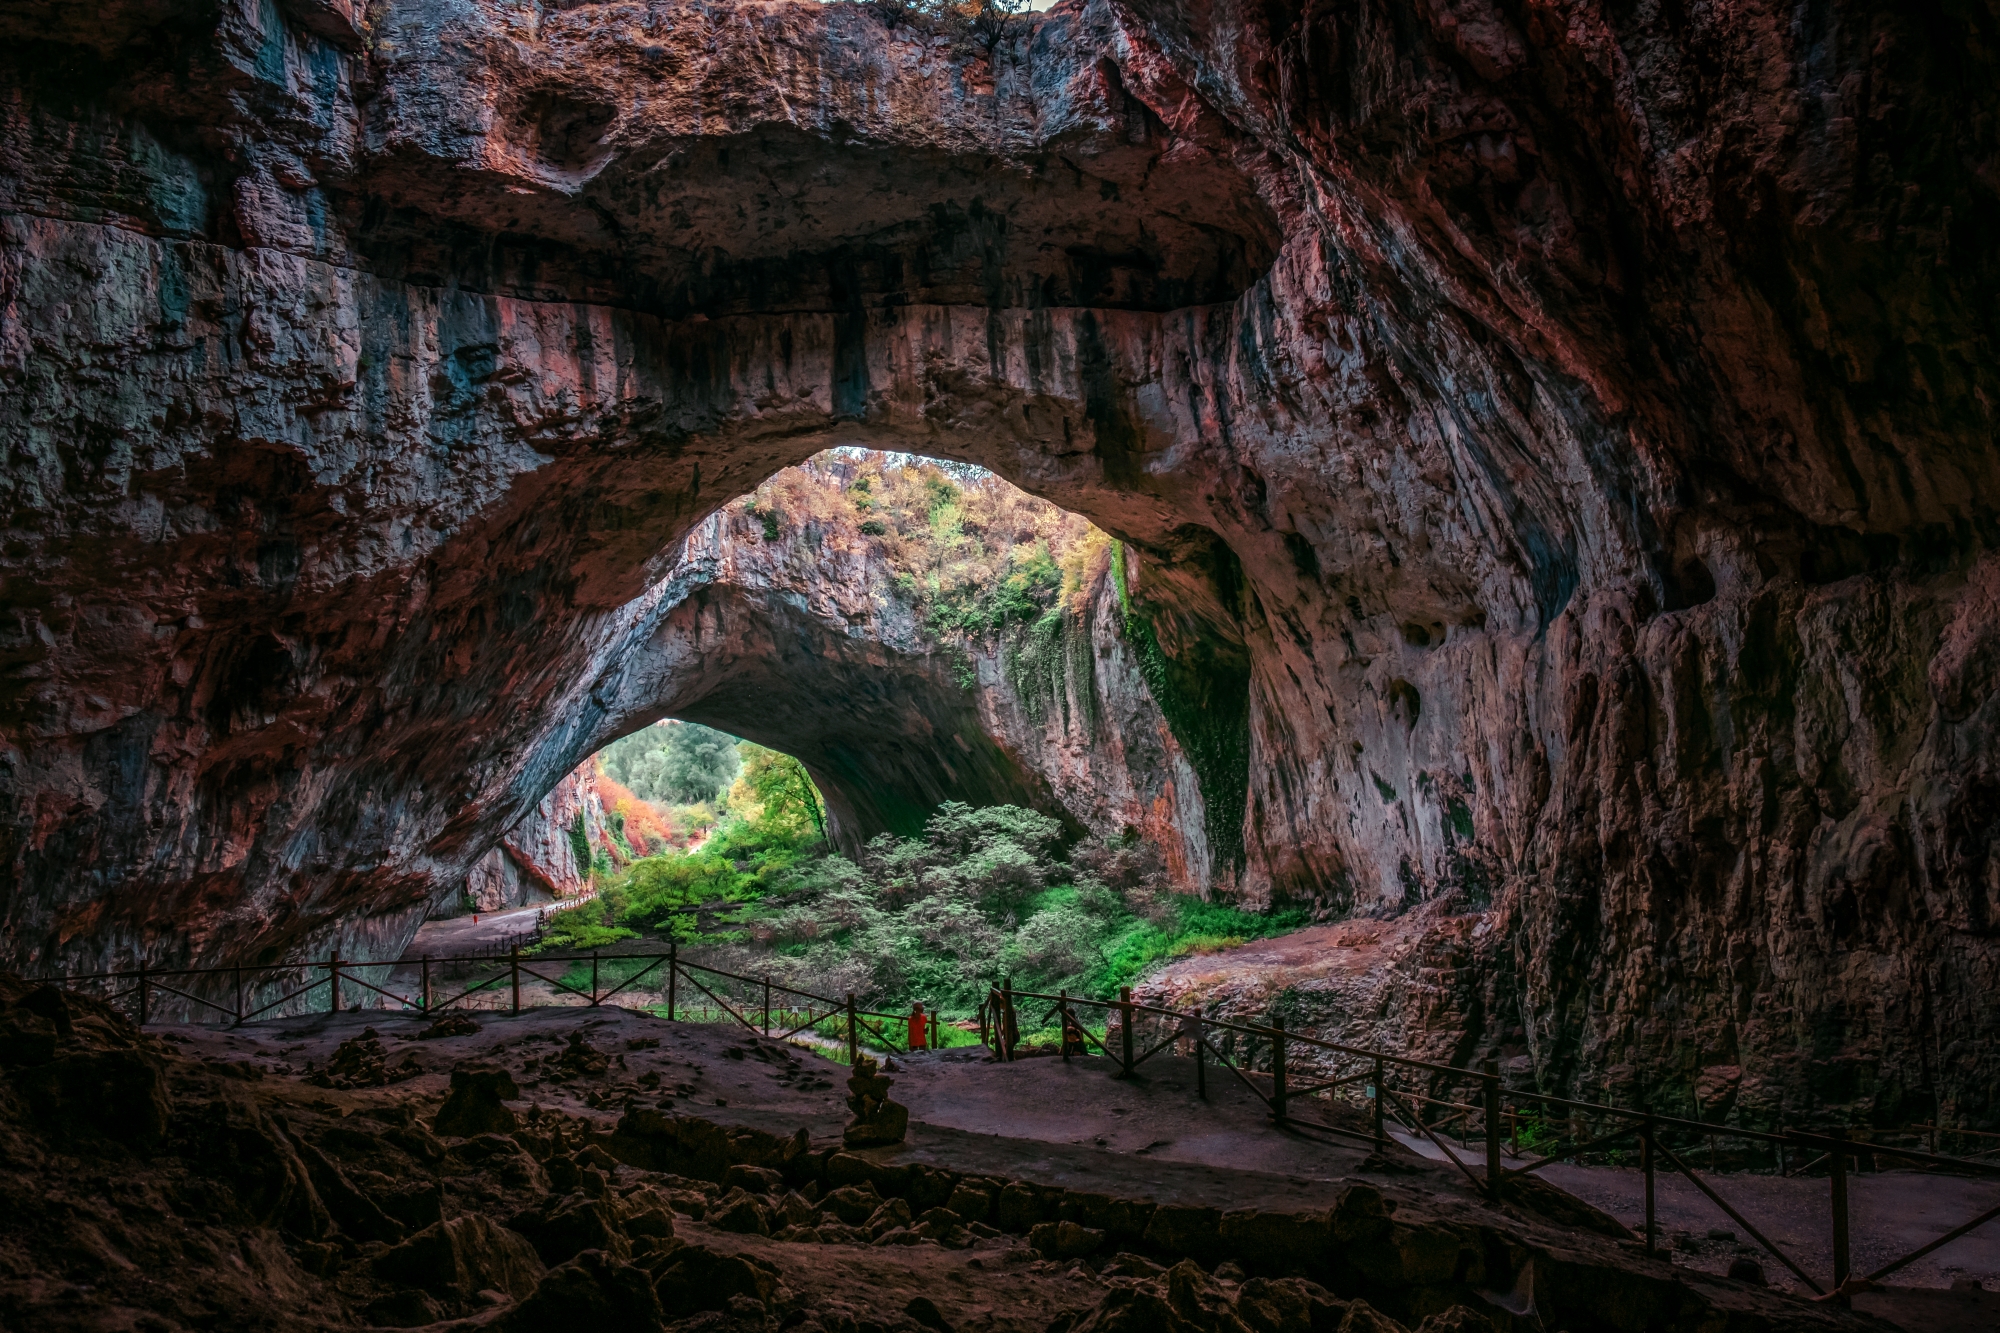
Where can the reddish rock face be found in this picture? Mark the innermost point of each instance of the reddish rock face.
(1555, 446)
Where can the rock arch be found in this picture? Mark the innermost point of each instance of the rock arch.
(357, 398)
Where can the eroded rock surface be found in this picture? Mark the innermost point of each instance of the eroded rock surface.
(1555, 452)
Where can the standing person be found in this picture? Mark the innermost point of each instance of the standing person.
(919, 1027)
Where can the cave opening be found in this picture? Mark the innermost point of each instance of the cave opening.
(905, 632)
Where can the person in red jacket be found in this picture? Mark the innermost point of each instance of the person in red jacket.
(920, 1026)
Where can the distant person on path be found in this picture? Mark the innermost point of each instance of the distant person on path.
(919, 1027)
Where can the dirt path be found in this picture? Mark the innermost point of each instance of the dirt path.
(480, 933)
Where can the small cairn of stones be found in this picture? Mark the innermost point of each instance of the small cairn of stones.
(449, 1025)
(877, 1119)
(360, 1062)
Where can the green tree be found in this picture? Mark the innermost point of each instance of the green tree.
(789, 804)
(673, 763)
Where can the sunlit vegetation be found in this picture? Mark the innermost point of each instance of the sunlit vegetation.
(772, 818)
(673, 763)
(983, 895)
(976, 558)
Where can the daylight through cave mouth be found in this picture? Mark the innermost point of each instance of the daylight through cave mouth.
(902, 631)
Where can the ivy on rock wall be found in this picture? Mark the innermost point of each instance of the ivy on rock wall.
(1203, 691)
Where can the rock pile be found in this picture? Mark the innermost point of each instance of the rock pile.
(877, 1119)
(361, 1062)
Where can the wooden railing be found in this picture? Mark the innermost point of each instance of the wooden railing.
(1494, 1113)
(759, 1004)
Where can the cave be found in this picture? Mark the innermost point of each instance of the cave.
(1552, 464)
(783, 622)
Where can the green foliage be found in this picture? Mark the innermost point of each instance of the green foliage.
(579, 842)
(971, 24)
(775, 819)
(585, 926)
(673, 763)
(788, 804)
(981, 895)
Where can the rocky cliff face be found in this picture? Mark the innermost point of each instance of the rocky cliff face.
(1555, 445)
(786, 622)
(535, 862)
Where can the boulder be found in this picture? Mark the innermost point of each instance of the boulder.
(1123, 1220)
(1274, 1242)
(1065, 1240)
(756, 1179)
(1200, 1299)
(564, 1227)
(1288, 1305)
(1019, 1208)
(971, 1203)
(475, 1103)
(1133, 1310)
(742, 1212)
(592, 1291)
(699, 1278)
(1361, 1317)
(889, 1217)
(852, 1204)
(1185, 1229)
(462, 1256)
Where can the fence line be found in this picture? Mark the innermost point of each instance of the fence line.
(769, 1001)
(1589, 1126)
(771, 1009)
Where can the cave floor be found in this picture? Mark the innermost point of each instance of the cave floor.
(1073, 1125)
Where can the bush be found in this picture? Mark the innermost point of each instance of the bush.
(982, 895)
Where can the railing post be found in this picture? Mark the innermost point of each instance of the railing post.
(1125, 1028)
(1278, 1070)
(1646, 1165)
(145, 995)
(853, 1037)
(593, 978)
(1489, 1076)
(1010, 1029)
(1378, 1093)
(1200, 1060)
(427, 984)
(1837, 1178)
(673, 975)
(333, 981)
(236, 974)
(767, 1006)
(984, 1005)
(514, 973)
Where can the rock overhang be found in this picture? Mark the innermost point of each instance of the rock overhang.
(616, 173)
